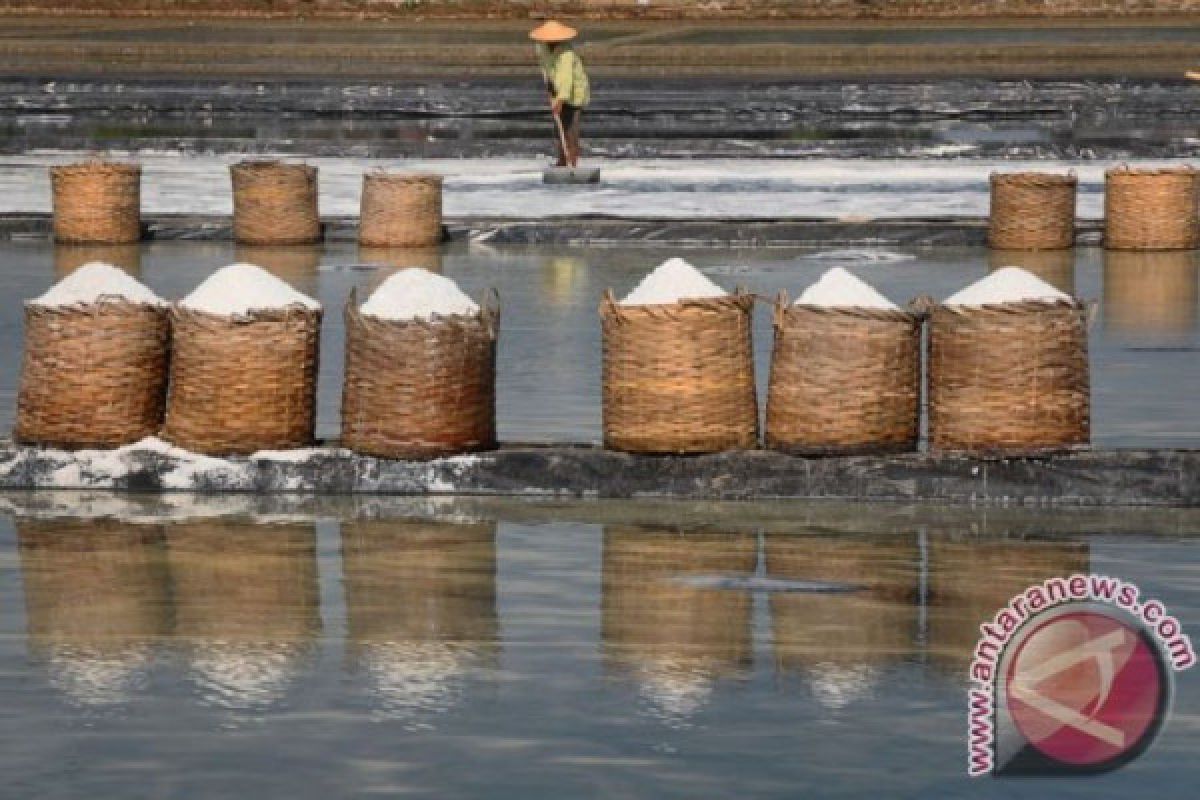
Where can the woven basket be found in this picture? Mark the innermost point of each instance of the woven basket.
(400, 210)
(275, 203)
(1055, 267)
(97, 203)
(679, 378)
(1032, 211)
(1151, 209)
(877, 624)
(93, 375)
(1009, 379)
(70, 257)
(241, 384)
(419, 388)
(1150, 294)
(844, 380)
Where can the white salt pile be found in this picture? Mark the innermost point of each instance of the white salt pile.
(417, 293)
(670, 282)
(1006, 285)
(242, 288)
(839, 288)
(97, 282)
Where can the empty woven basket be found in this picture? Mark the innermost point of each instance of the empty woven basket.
(1032, 211)
(679, 378)
(275, 203)
(400, 210)
(97, 202)
(844, 380)
(1151, 209)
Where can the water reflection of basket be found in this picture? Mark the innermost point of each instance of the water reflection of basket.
(401, 210)
(844, 380)
(296, 264)
(1032, 211)
(1055, 267)
(389, 260)
(275, 203)
(70, 257)
(97, 203)
(1150, 293)
(1009, 378)
(679, 378)
(1151, 209)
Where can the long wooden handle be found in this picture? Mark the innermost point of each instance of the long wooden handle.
(562, 134)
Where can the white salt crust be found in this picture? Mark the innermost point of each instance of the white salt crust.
(1006, 285)
(839, 288)
(670, 282)
(243, 288)
(417, 293)
(97, 282)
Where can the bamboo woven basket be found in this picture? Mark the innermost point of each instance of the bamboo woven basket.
(876, 624)
(1055, 267)
(97, 202)
(241, 384)
(1009, 379)
(275, 203)
(1151, 209)
(1150, 294)
(92, 375)
(420, 389)
(70, 257)
(1032, 211)
(400, 210)
(844, 380)
(679, 378)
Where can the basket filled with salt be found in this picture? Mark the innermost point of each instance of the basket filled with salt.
(678, 365)
(400, 210)
(95, 366)
(97, 202)
(1008, 368)
(275, 203)
(420, 370)
(243, 365)
(1151, 208)
(1032, 211)
(845, 371)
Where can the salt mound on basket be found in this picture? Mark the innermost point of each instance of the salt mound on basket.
(670, 282)
(1007, 285)
(839, 288)
(97, 282)
(242, 289)
(417, 293)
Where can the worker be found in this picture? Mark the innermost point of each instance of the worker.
(566, 82)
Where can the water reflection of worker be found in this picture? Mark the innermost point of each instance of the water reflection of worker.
(566, 82)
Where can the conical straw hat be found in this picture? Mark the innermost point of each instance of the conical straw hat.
(553, 31)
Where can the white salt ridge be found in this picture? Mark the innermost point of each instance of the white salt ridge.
(417, 293)
(243, 288)
(670, 282)
(1006, 285)
(97, 282)
(839, 288)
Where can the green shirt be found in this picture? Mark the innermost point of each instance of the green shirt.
(564, 71)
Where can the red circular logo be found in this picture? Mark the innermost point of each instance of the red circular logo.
(1086, 689)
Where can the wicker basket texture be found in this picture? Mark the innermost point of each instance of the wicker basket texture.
(1151, 209)
(97, 202)
(400, 210)
(1032, 211)
(275, 203)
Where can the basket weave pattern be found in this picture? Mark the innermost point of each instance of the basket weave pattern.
(92, 376)
(844, 380)
(1151, 209)
(1009, 378)
(1032, 211)
(679, 378)
(419, 388)
(400, 210)
(97, 203)
(275, 203)
(243, 384)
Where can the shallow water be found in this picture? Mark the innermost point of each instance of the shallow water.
(459, 648)
(1144, 336)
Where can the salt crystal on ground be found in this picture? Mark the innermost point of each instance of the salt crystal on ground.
(1007, 285)
(417, 293)
(672, 281)
(839, 288)
(242, 288)
(97, 282)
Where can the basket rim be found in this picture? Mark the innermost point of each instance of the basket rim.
(96, 165)
(178, 309)
(1020, 307)
(783, 308)
(396, 176)
(254, 164)
(488, 314)
(740, 299)
(105, 302)
(1127, 170)
(1029, 177)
